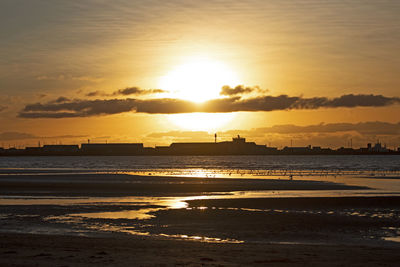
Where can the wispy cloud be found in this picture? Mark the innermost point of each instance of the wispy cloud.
(63, 77)
(329, 134)
(362, 128)
(6, 136)
(9, 136)
(138, 91)
(240, 90)
(127, 91)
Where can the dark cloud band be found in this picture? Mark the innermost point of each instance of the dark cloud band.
(86, 108)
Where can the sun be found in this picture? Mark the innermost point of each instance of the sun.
(198, 79)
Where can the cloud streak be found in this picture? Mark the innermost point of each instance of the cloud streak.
(9, 136)
(327, 135)
(63, 77)
(362, 128)
(127, 91)
(240, 90)
(65, 108)
(137, 91)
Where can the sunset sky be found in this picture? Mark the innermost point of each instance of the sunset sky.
(157, 71)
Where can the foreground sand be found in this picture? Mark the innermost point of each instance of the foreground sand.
(307, 231)
(42, 250)
(274, 238)
(135, 185)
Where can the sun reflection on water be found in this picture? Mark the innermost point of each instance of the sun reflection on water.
(141, 214)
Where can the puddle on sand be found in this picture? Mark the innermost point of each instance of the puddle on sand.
(128, 228)
(203, 239)
(81, 222)
(142, 214)
(393, 234)
(392, 238)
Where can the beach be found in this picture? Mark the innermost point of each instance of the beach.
(69, 219)
(56, 250)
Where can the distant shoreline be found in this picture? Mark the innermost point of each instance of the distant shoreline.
(22, 153)
(238, 146)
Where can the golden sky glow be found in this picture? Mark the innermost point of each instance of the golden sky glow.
(63, 63)
(202, 121)
(198, 79)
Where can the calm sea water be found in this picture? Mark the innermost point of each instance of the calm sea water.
(137, 215)
(339, 164)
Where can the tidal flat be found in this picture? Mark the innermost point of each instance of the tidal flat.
(124, 220)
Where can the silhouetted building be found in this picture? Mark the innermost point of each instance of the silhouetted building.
(113, 149)
(379, 148)
(162, 150)
(61, 150)
(12, 151)
(34, 150)
(346, 151)
(238, 146)
(297, 150)
(206, 148)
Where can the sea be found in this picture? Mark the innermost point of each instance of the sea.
(164, 217)
(372, 165)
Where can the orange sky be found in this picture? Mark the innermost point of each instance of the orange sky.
(304, 49)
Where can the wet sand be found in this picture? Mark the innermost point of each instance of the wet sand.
(331, 231)
(128, 185)
(41, 250)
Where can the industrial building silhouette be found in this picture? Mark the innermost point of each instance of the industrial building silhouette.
(238, 146)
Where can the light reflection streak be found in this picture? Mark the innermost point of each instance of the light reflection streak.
(181, 202)
(141, 214)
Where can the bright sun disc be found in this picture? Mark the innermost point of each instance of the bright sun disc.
(198, 80)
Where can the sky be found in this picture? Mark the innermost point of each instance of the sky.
(156, 71)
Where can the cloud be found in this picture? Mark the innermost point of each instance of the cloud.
(330, 134)
(86, 108)
(127, 91)
(137, 91)
(78, 108)
(63, 77)
(363, 128)
(350, 100)
(240, 90)
(96, 93)
(88, 79)
(176, 133)
(5, 136)
(64, 108)
(8, 136)
(61, 99)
